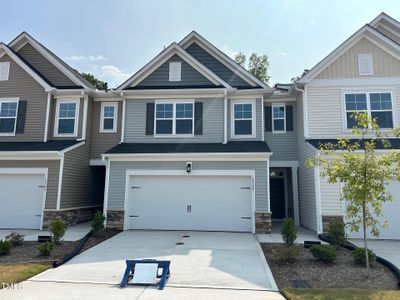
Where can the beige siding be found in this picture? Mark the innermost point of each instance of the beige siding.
(20, 84)
(346, 66)
(40, 63)
(389, 34)
(331, 205)
(52, 180)
(102, 142)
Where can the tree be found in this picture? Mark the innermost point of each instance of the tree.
(297, 78)
(363, 172)
(99, 84)
(257, 65)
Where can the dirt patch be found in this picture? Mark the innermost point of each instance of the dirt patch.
(341, 274)
(99, 238)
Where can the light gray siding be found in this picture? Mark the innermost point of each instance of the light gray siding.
(331, 205)
(189, 76)
(21, 85)
(46, 68)
(259, 122)
(116, 194)
(52, 180)
(103, 141)
(213, 123)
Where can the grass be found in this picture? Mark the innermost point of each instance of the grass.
(338, 294)
(14, 273)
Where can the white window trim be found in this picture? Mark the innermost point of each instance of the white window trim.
(171, 66)
(253, 118)
(7, 64)
(370, 60)
(115, 117)
(66, 100)
(284, 117)
(173, 102)
(10, 100)
(368, 92)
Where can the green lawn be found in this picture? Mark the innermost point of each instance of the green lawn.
(338, 294)
(14, 273)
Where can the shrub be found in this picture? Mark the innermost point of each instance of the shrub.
(46, 248)
(98, 223)
(359, 256)
(57, 229)
(5, 247)
(289, 231)
(337, 232)
(287, 254)
(15, 238)
(325, 253)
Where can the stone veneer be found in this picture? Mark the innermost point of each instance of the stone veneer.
(69, 216)
(115, 219)
(327, 219)
(263, 222)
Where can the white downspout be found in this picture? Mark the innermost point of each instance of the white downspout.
(60, 180)
(46, 126)
(305, 110)
(85, 116)
(123, 120)
(225, 117)
(262, 119)
(105, 204)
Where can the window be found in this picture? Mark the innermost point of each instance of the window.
(4, 70)
(174, 118)
(175, 71)
(243, 119)
(365, 64)
(278, 118)
(108, 117)
(376, 105)
(67, 113)
(8, 116)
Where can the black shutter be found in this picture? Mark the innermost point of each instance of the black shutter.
(289, 118)
(268, 118)
(198, 118)
(150, 119)
(20, 126)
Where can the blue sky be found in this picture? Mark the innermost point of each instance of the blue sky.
(113, 39)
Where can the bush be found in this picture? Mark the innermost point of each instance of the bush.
(287, 254)
(325, 253)
(337, 232)
(5, 247)
(15, 238)
(289, 231)
(359, 256)
(57, 229)
(98, 223)
(46, 248)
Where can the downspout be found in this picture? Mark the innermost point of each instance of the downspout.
(60, 180)
(317, 180)
(46, 126)
(123, 119)
(85, 116)
(225, 117)
(305, 108)
(106, 185)
(262, 119)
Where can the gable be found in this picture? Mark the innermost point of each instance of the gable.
(389, 33)
(346, 65)
(217, 67)
(159, 78)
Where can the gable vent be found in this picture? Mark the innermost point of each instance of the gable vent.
(175, 71)
(365, 64)
(4, 70)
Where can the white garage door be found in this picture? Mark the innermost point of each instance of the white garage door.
(391, 213)
(21, 200)
(216, 203)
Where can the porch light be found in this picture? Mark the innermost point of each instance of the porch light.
(188, 167)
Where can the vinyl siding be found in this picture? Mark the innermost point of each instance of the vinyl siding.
(225, 73)
(259, 128)
(346, 66)
(20, 84)
(46, 68)
(331, 205)
(389, 34)
(284, 145)
(213, 123)
(101, 142)
(189, 76)
(52, 180)
(116, 195)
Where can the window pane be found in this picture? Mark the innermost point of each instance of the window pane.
(108, 124)
(7, 125)
(66, 126)
(184, 126)
(164, 127)
(67, 110)
(164, 111)
(356, 101)
(381, 101)
(184, 110)
(108, 111)
(243, 127)
(279, 124)
(279, 112)
(243, 111)
(383, 118)
(351, 122)
(8, 109)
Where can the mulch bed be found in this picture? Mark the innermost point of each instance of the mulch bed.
(344, 273)
(99, 238)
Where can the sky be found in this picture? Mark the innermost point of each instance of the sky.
(114, 39)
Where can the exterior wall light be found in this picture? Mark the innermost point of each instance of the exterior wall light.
(188, 167)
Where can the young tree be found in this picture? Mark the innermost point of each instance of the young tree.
(363, 172)
(240, 58)
(257, 65)
(99, 84)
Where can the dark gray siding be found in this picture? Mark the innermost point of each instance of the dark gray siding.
(216, 66)
(116, 194)
(213, 123)
(46, 68)
(21, 85)
(189, 76)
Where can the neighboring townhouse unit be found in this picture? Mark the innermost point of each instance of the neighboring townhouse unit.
(45, 116)
(362, 74)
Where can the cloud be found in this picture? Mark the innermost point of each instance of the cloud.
(311, 21)
(113, 75)
(97, 57)
(282, 53)
(228, 51)
(296, 29)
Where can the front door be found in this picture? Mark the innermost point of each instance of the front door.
(277, 197)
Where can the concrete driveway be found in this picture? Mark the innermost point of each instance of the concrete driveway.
(220, 265)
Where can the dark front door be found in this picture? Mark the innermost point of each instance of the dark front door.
(277, 196)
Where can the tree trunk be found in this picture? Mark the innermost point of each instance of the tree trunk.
(365, 237)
